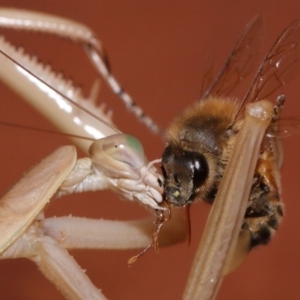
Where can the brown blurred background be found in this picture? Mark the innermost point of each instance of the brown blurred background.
(157, 50)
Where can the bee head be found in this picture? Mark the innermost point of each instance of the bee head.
(184, 172)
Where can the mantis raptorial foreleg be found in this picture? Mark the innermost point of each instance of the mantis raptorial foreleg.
(220, 238)
(42, 99)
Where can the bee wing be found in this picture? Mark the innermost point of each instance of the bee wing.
(281, 65)
(208, 76)
(288, 127)
(241, 60)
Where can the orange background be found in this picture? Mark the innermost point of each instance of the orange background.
(157, 50)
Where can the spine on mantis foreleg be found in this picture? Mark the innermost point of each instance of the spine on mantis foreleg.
(49, 102)
(78, 33)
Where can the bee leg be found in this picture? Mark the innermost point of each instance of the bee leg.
(277, 108)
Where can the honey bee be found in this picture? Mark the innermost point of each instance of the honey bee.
(199, 142)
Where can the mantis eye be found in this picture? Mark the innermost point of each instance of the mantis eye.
(124, 148)
(118, 155)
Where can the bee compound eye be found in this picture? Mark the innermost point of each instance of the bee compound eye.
(200, 168)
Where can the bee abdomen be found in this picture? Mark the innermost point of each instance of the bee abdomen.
(262, 232)
(262, 236)
(262, 224)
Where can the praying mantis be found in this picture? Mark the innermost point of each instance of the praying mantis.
(22, 205)
(118, 204)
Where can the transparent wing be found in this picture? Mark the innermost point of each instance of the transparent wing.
(281, 65)
(241, 61)
(208, 75)
(288, 127)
